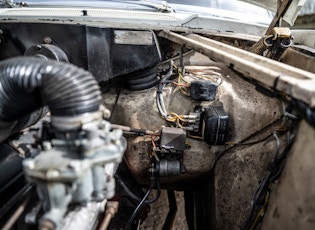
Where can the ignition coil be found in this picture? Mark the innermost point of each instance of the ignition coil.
(170, 152)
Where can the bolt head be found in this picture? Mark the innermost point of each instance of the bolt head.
(29, 164)
(52, 173)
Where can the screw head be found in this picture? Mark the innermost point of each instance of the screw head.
(52, 173)
(29, 164)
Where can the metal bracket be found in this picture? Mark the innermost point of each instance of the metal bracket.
(280, 39)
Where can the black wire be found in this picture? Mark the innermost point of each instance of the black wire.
(262, 186)
(255, 198)
(277, 149)
(135, 197)
(282, 160)
(238, 144)
(253, 142)
(277, 166)
(243, 143)
(115, 104)
(135, 212)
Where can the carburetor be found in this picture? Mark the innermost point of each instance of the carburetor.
(76, 166)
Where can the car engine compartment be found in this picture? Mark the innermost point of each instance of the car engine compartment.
(94, 120)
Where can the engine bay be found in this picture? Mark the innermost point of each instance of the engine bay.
(96, 119)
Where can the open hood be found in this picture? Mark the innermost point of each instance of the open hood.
(291, 13)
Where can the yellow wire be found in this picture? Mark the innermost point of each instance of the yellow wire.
(180, 76)
(178, 124)
(182, 88)
(213, 79)
(212, 75)
(183, 91)
(180, 117)
(260, 211)
(176, 119)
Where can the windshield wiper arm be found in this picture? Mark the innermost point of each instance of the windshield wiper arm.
(160, 6)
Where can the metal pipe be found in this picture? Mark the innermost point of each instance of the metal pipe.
(18, 212)
(111, 210)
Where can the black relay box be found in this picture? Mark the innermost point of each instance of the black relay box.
(214, 125)
(203, 90)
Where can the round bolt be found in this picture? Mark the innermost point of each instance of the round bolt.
(47, 145)
(52, 173)
(29, 164)
(47, 225)
(47, 40)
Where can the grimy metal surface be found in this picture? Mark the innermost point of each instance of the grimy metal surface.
(249, 111)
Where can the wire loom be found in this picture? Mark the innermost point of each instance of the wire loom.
(262, 194)
(183, 85)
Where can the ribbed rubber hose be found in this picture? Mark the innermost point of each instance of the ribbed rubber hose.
(28, 83)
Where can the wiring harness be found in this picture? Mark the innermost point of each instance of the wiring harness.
(184, 82)
(262, 194)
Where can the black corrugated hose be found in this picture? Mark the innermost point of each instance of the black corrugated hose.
(28, 83)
